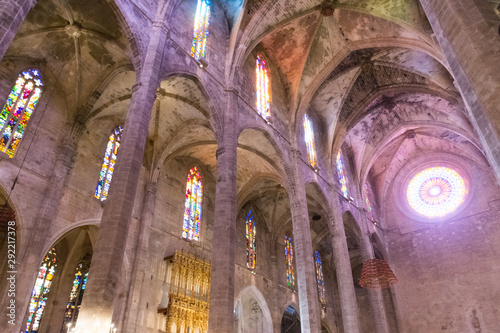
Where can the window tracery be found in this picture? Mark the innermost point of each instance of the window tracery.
(77, 290)
(309, 139)
(319, 277)
(41, 291)
(341, 174)
(18, 109)
(108, 164)
(290, 273)
(436, 192)
(200, 31)
(262, 88)
(192, 205)
(251, 233)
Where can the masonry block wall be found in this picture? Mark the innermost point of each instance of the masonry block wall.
(403, 71)
(443, 267)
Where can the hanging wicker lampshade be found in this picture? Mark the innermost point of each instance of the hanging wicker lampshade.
(6, 214)
(377, 274)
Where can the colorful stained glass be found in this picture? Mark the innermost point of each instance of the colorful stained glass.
(309, 138)
(251, 234)
(290, 274)
(341, 174)
(41, 291)
(262, 88)
(192, 206)
(76, 294)
(319, 277)
(369, 210)
(436, 192)
(108, 164)
(200, 33)
(18, 109)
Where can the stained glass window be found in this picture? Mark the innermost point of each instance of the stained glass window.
(319, 277)
(251, 233)
(18, 109)
(290, 274)
(437, 191)
(368, 204)
(309, 138)
(263, 95)
(108, 164)
(76, 294)
(41, 291)
(192, 206)
(341, 174)
(200, 33)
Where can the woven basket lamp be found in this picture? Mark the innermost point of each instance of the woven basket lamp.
(377, 274)
(6, 214)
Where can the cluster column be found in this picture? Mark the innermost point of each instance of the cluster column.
(221, 318)
(135, 308)
(310, 317)
(375, 296)
(343, 268)
(467, 32)
(97, 312)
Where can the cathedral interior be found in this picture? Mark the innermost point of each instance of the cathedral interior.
(256, 166)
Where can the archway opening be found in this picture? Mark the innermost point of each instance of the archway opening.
(290, 323)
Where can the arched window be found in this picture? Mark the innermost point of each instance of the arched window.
(200, 32)
(368, 204)
(41, 291)
(341, 174)
(290, 274)
(309, 138)
(251, 233)
(262, 88)
(108, 164)
(192, 205)
(18, 109)
(319, 277)
(76, 294)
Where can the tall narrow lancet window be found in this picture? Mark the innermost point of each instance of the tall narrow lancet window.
(369, 210)
(192, 206)
(290, 274)
(341, 174)
(251, 248)
(76, 294)
(200, 33)
(262, 88)
(319, 277)
(41, 291)
(18, 109)
(309, 138)
(108, 164)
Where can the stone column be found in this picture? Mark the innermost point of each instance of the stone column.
(375, 296)
(343, 268)
(97, 312)
(13, 13)
(223, 246)
(31, 255)
(467, 32)
(310, 316)
(274, 303)
(135, 307)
